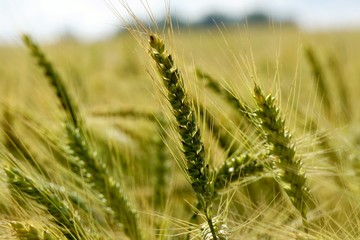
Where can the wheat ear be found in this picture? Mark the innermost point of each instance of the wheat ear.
(66, 101)
(336, 69)
(129, 113)
(290, 172)
(320, 79)
(97, 176)
(30, 232)
(63, 215)
(193, 147)
(85, 161)
(237, 167)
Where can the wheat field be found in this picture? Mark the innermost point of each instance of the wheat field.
(236, 132)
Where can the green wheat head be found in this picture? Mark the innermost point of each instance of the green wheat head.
(193, 147)
(188, 129)
(30, 232)
(55, 80)
(84, 161)
(289, 169)
(321, 80)
(63, 216)
(236, 168)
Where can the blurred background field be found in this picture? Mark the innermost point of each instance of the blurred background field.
(113, 73)
(95, 54)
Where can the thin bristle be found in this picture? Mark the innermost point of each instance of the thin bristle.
(233, 101)
(227, 142)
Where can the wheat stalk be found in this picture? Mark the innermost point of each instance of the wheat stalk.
(220, 227)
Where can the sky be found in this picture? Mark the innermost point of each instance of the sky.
(95, 19)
